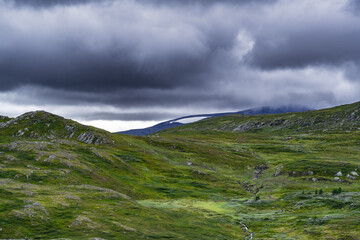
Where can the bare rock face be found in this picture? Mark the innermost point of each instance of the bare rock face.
(91, 138)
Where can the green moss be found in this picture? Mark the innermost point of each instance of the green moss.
(199, 181)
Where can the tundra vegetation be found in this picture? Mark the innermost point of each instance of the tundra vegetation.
(283, 176)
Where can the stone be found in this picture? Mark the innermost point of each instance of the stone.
(338, 174)
(278, 171)
(351, 177)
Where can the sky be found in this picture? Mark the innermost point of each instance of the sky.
(123, 64)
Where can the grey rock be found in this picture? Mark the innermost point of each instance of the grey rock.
(351, 177)
(338, 174)
(278, 171)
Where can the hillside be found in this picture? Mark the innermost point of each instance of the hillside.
(342, 118)
(283, 176)
(44, 125)
(193, 118)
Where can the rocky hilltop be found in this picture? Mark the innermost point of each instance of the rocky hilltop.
(44, 125)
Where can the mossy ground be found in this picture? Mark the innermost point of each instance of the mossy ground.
(182, 184)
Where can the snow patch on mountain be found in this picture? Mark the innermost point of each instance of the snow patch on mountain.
(189, 120)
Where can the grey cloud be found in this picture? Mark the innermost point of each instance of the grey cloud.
(353, 6)
(140, 116)
(184, 54)
(307, 48)
(295, 36)
(108, 58)
(83, 71)
(50, 3)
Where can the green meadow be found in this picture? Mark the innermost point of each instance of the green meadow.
(284, 176)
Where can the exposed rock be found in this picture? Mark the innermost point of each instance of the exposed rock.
(259, 170)
(314, 179)
(351, 177)
(338, 174)
(198, 172)
(71, 197)
(91, 138)
(101, 190)
(251, 188)
(32, 211)
(130, 229)
(32, 125)
(82, 221)
(277, 171)
(354, 173)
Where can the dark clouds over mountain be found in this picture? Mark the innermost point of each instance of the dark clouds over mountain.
(177, 57)
(50, 3)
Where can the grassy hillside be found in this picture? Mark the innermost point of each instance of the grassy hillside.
(205, 180)
(337, 119)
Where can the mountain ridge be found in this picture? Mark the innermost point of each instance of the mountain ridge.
(174, 122)
(344, 117)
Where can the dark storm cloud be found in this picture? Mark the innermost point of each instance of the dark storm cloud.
(190, 54)
(140, 116)
(81, 70)
(313, 33)
(304, 48)
(353, 6)
(105, 55)
(50, 3)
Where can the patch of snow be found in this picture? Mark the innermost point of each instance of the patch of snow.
(190, 120)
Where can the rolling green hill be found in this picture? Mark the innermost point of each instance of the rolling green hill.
(284, 176)
(337, 119)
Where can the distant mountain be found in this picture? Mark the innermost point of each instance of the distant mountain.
(194, 118)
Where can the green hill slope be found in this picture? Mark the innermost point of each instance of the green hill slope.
(342, 118)
(201, 181)
(44, 125)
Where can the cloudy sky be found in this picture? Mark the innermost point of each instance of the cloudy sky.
(121, 64)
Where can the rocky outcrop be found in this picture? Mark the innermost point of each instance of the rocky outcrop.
(90, 137)
(32, 211)
(339, 118)
(44, 125)
(338, 174)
